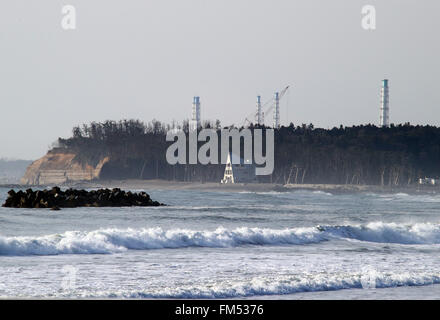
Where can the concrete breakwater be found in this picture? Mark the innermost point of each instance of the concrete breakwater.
(55, 198)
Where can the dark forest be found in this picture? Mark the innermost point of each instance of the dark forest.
(364, 154)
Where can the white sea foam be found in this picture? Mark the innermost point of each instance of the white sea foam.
(279, 285)
(322, 192)
(273, 193)
(118, 240)
(419, 233)
(423, 198)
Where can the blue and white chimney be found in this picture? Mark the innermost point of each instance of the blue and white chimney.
(195, 116)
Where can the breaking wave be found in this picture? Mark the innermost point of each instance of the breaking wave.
(279, 285)
(113, 240)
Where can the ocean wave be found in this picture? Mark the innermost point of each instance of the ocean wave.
(276, 285)
(401, 196)
(419, 233)
(322, 192)
(266, 193)
(118, 240)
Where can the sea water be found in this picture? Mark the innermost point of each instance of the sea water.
(272, 245)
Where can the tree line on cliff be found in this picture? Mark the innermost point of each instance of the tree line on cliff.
(363, 154)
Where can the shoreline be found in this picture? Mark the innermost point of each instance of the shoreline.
(250, 187)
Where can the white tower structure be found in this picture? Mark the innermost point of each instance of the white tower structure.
(195, 116)
(276, 111)
(259, 114)
(385, 104)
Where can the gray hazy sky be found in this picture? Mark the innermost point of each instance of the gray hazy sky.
(147, 59)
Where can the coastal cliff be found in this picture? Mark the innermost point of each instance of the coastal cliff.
(395, 156)
(60, 168)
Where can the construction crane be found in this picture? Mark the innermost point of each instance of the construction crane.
(271, 103)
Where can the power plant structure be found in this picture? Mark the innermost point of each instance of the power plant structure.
(385, 105)
(259, 114)
(196, 121)
(274, 104)
(276, 111)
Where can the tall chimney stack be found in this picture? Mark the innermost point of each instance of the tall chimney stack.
(385, 104)
(195, 116)
(258, 115)
(276, 111)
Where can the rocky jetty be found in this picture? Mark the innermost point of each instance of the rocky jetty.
(70, 198)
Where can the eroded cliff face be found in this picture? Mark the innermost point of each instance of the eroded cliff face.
(59, 168)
